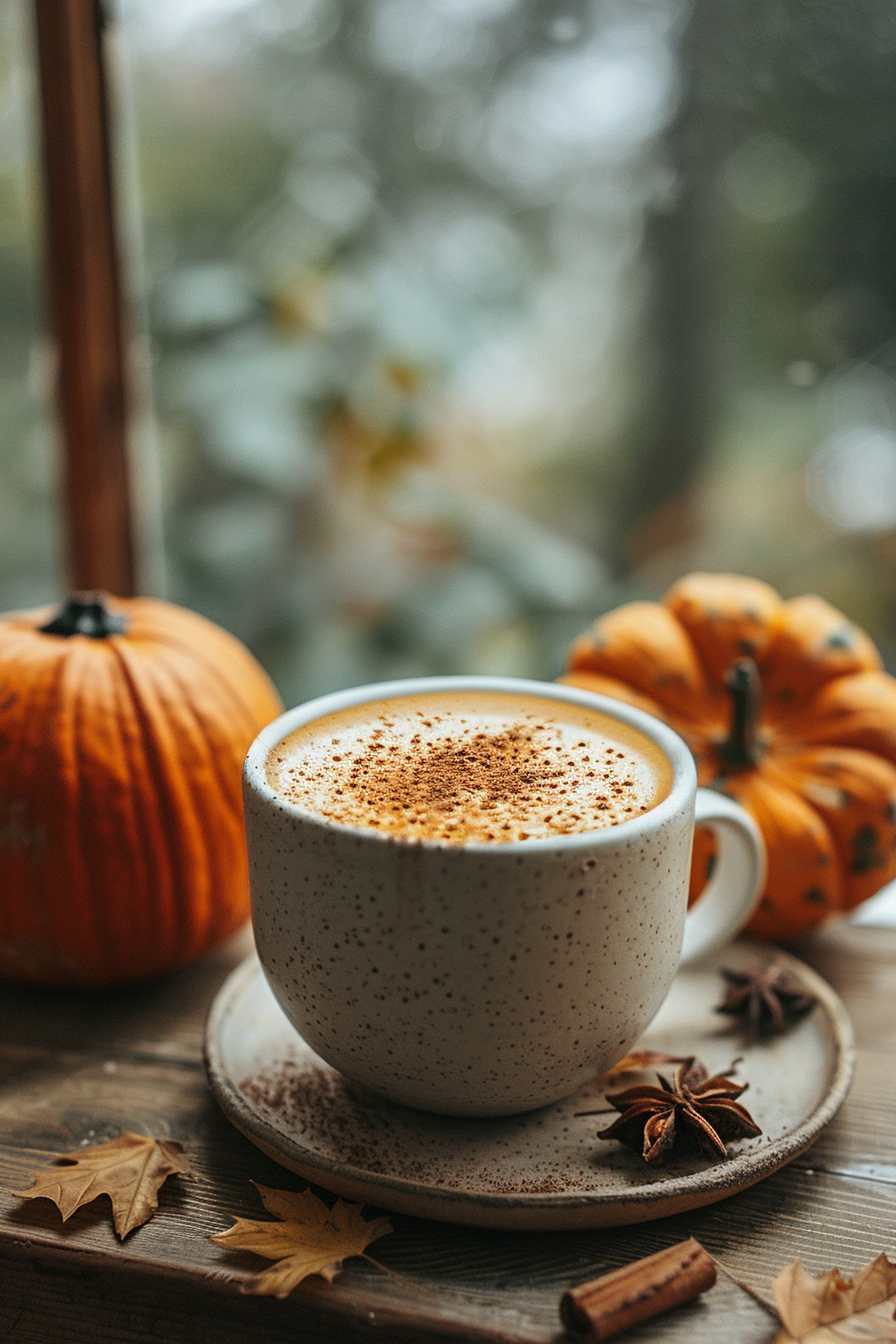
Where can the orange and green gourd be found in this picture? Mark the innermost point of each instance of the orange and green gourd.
(787, 710)
(123, 727)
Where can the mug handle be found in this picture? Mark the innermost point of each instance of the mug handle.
(731, 894)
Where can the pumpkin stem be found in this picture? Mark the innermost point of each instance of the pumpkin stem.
(741, 748)
(85, 614)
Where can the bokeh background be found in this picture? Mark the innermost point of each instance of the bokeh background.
(458, 322)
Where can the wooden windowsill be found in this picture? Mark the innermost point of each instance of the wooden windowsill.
(77, 1068)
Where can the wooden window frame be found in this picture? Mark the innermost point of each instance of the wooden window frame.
(84, 293)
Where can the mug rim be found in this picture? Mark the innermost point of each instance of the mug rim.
(676, 750)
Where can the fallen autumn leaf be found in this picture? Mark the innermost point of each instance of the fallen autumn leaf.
(129, 1169)
(637, 1062)
(830, 1308)
(309, 1239)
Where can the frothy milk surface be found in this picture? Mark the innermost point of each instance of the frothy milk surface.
(467, 766)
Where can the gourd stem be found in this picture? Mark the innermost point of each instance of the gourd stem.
(86, 614)
(741, 748)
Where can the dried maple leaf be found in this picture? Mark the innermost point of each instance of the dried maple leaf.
(310, 1239)
(636, 1062)
(129, 1169)
(830, 1308)
(691, 1111)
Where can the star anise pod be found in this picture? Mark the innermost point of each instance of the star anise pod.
(763, 998)
(693, 1112)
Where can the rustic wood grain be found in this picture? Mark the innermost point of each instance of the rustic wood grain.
(84, 292)
(77, 1068)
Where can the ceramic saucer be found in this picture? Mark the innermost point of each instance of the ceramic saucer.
(544, 1169)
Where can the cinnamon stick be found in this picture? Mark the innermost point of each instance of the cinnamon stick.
(638, 1291)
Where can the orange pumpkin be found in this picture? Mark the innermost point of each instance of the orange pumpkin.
(787, 710)
(123, 729)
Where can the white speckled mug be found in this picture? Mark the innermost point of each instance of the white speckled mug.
(485, 978)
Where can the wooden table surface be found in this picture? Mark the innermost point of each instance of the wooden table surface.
(76, 1069)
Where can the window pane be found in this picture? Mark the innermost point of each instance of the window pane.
(472, 318)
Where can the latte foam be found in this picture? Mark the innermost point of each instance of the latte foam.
(470, 766)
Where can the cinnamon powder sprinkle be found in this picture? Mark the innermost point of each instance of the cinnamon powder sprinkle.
(486, 776)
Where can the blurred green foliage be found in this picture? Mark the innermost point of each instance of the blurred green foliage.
(460, 321)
